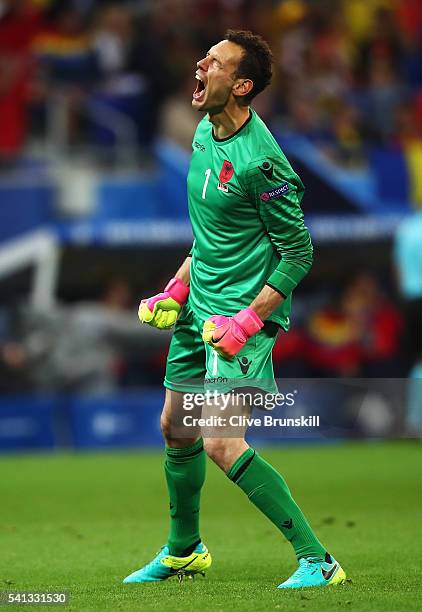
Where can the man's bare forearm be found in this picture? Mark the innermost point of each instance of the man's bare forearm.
(183, 273)
(267, 300)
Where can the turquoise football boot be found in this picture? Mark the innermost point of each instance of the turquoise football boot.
(165, 566)
(312, 572)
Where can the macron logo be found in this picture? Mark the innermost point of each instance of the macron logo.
(274, 193)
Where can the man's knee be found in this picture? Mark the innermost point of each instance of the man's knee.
(172, 437)
(165, 425)
(167, 429)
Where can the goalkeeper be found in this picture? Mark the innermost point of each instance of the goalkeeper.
(228, 301)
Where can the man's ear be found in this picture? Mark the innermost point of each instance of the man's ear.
(243, 87)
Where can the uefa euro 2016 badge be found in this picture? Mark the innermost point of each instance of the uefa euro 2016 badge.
(226, 174)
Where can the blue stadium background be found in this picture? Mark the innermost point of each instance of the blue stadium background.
(95, 126)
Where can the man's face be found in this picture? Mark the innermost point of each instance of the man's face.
(215, 77)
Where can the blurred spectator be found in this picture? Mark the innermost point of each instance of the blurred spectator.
(347, 134)
(131, 86)
(409, 14)
(357, 333)
(289, 354)
(385, 95)
(294, 36)
(19, 24)
(12, 357)
(120, 97)
(359, 15)
(67, 68)
(408, 261)
(161, 60)
(407, 124)
(81, 348)
(379, 326)
(332, 342)
(382, 45)
(112, 40)
(64, 47)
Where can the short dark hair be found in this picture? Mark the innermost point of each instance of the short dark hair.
(256, 62)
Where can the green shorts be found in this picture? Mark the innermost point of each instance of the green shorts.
(194, 366)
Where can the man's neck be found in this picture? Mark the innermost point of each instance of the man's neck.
(229, 120)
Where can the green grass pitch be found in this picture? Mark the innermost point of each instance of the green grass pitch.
(81, 523)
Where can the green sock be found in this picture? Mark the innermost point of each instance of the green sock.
(185, 474)
(267, 489)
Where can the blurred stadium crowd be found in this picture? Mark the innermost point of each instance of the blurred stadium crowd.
(85, 74)
(348, 72)
(98, 346)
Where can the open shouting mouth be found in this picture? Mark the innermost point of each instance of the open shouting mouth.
(199, 93)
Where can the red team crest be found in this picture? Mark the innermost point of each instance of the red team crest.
(226, 172)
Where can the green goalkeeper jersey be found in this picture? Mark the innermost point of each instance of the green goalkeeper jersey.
(244, 206)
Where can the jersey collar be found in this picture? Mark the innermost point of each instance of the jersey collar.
(236, 133)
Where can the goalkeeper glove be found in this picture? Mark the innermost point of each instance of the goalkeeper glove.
(228, 335)
(162, 310)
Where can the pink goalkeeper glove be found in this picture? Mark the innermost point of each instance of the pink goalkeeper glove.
(162, 310)
(227, 335)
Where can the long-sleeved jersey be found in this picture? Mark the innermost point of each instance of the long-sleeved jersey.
(248, 227)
